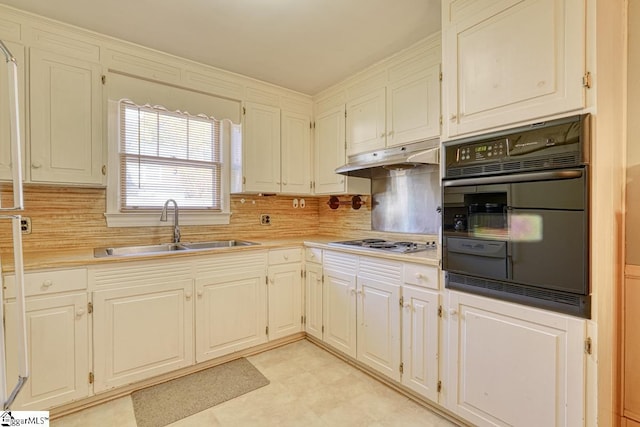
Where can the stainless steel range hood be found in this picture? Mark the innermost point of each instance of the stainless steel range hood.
(396, 158)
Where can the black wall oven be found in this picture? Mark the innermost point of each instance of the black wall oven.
(516, 215)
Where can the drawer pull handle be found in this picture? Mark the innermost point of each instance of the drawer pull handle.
(47, 284)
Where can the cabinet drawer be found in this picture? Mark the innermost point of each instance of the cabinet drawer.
(48, 282)
(313, 255)
(421, 275)
(283, 256)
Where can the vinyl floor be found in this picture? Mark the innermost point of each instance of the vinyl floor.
(309, 387)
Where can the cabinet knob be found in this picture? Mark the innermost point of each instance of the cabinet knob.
(284, 182)
(342, 181)
(286, 257)
(382, 135)
(188, 295)
(80, 312)
(453, 117)
(390, 133)
(200, 294)
(453, 312)
(36, 165)
(278, 182)
(353, 291)
(47, 284)
(419, 276)
(407, 306)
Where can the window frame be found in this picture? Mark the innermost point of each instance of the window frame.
(116, 217)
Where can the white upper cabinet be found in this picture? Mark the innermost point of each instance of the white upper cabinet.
(366, 128)
(261, 148)
(413, 107)
(295, 156)
(66, 119)
(395, 102)
(330, 153)
(5, 130)
(276, 151)
(510, 61)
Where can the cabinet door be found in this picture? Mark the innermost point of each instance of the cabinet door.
(330, 151)
(339, 306)
(313, 300)
(5, 130)
(285, 300)
(511, 61)
(514, 365)
(378, 316)
(413, 108)
(365, 124)
(66, 117)
(261, 148)
(58, 342)
(420, 341)
(231, 314)
(296, 153)
(141, 331)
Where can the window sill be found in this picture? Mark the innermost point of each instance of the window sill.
(152, 219)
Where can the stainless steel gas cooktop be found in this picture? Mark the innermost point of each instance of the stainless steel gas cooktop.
(386, 245)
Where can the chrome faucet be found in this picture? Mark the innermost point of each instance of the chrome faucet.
(163, 217)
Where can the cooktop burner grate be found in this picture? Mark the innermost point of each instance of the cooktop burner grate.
(386, 245)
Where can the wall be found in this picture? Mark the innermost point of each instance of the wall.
(73, 217)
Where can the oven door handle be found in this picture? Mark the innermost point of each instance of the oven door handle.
(521, 177)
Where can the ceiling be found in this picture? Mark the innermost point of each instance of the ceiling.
(304, 45)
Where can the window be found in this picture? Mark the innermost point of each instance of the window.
(168, 155)
(162, 155)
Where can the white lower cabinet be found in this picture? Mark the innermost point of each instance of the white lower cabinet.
(230, 314)
(362, 311)
(313, 300)
(58, 342)
(378, 330)
(231, 303)
(420, 340)
(141, 331)
(339, 310)
(512, 365)
(284, 292)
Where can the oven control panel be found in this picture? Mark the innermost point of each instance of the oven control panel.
(482, 151)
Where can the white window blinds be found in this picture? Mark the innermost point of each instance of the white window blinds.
(168, 155)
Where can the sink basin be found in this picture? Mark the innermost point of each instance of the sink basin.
(218, 244)
(168, 247)
(137, 250)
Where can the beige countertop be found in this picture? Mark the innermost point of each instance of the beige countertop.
(84, 257)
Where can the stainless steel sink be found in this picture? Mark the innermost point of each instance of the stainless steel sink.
(137, 250)
(218, 244)
(168, 247)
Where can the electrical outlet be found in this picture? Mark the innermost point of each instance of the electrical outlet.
(25, 225)
(265, 219)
